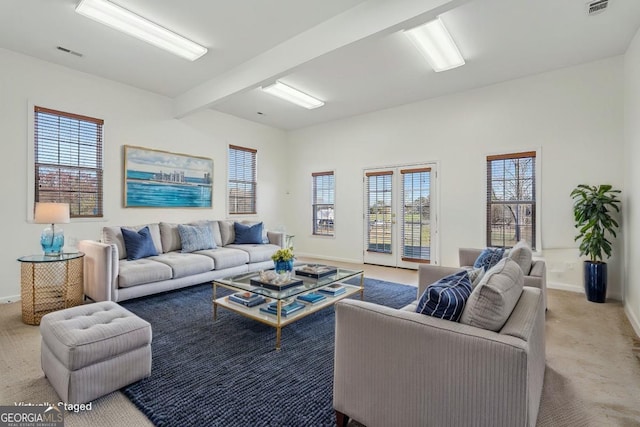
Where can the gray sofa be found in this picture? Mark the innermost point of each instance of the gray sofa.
(110, 276)
(399, 367)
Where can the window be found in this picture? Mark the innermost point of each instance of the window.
(68, 161)
(511, 199)
(323, 203)
(242, 180)
(416, 215)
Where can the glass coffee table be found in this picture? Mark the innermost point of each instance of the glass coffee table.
(280, 298)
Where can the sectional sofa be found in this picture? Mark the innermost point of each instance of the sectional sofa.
(110, 273)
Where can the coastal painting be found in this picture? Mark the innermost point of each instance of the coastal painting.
(160, 179)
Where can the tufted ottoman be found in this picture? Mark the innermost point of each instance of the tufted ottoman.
(94, 349)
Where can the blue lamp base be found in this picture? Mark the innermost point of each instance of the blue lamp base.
(52, 241)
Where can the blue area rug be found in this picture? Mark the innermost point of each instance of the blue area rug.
(228, 373)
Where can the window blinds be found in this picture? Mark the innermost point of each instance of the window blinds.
(242, 180)
(68, 161)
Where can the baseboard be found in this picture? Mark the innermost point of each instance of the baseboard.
(351, 261)
(9, 299)
(635, 323)
(579, 289)
(565, 287)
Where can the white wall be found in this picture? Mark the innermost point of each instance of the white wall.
(632, 181)
(574, 116)
(132, 117)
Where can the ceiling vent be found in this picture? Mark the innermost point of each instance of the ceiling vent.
(596, 7)
(64, 49)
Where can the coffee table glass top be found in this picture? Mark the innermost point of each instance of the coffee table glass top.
(251, 282)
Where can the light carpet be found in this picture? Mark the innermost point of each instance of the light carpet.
(592, 376)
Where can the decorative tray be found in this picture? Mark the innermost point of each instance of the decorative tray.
(315, 271)
(276, 285)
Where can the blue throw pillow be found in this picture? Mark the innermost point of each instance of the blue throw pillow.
(446, 298)
(196, 237)
(138, 244)
(488, 258)
(248, 233)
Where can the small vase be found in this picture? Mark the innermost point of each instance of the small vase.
(595, 281)
(283, 266)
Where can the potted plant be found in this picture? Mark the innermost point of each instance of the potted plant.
(593, 207)
(283, 260)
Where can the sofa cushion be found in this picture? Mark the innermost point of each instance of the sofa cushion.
(257, 253)
(446, 298)
(248, 234)
(523, 255)
(491, 302)
(488, 258)
(141, 271)
(170, 237)
(138, 244)
(196, 237)
(183, 264)
(227, 232)
(113, 235)
(226, 257)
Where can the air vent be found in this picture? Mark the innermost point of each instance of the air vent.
(64, 49)
(598, 6)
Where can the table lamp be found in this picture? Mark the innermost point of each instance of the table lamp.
(52, 238)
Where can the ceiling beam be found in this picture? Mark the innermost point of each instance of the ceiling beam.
(367, 19)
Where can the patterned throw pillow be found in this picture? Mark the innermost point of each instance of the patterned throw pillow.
(196, 237)
(138, 244)
(488, 258)
(446, 298)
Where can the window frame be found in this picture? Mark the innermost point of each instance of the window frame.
(536, 225)
(98, 169)
(254, 182)
(314, 205)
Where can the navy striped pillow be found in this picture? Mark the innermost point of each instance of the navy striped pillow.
(446, 297)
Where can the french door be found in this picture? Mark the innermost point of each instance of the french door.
(399, 215)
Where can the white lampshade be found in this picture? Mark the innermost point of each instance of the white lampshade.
(51, 213)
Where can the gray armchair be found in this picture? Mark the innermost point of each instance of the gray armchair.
(401, 368)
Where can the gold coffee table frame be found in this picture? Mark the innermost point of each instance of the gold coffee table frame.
(50, 283)
(241, 283)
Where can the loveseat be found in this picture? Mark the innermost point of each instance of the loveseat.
(401, 367)
(213, 250)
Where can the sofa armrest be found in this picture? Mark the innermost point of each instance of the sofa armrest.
(428, 274)
(100, 270)
(276, 238)
(395, 367)
(537, 278)
(468, 256)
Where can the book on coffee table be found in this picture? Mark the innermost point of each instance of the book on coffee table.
(333, 289)
(247, 299)
(312, 297)
(287, 309)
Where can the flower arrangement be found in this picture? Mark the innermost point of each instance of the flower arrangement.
(285, 254)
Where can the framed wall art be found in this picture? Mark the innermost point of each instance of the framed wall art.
(161, 179)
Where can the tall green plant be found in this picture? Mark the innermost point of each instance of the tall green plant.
(592, 211)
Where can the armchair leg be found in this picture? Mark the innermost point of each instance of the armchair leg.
(341, 419)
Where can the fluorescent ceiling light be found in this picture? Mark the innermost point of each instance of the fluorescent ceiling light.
(290, 94)
(436, 44)
(122, 20)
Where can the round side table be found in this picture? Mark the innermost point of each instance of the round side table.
(50, 283)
